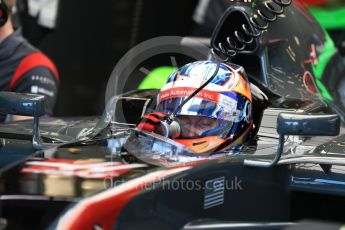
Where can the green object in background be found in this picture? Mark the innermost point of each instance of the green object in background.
(157, 78)
(327, 53)
(330, 18)
(324, 90)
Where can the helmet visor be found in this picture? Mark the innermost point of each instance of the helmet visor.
(200, 126)
(200, 107)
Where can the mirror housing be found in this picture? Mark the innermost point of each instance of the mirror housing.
(308, 125)
(21, 104)
(24, 105)
(299, 124)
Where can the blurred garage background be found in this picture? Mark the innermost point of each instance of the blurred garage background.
(89, 37)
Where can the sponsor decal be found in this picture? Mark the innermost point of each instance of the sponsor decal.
(214, 192)
(186, 91)
(309, 82)
(313, 56)
(43, 80)
(83, 169)
(39, 90)
(212, 96)
(247, 112)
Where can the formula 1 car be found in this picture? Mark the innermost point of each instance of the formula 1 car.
(102, 173)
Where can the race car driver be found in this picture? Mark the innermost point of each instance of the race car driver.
(217, 118)
(23, 68)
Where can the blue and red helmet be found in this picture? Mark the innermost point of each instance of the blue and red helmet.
(219, 116)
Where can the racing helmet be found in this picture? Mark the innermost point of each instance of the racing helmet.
(216, 118)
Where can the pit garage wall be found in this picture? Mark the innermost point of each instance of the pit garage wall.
(91, 36)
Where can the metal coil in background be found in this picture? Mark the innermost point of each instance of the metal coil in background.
(232, 46)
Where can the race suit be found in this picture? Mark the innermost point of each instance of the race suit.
(25, 69)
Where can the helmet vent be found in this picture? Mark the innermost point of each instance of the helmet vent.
(199, 143)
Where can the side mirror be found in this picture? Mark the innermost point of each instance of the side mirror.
(308, 125)
(301, 125)
(21, 104)
(24, 105)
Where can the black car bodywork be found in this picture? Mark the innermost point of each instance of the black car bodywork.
(88, 177)
(96, 183)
